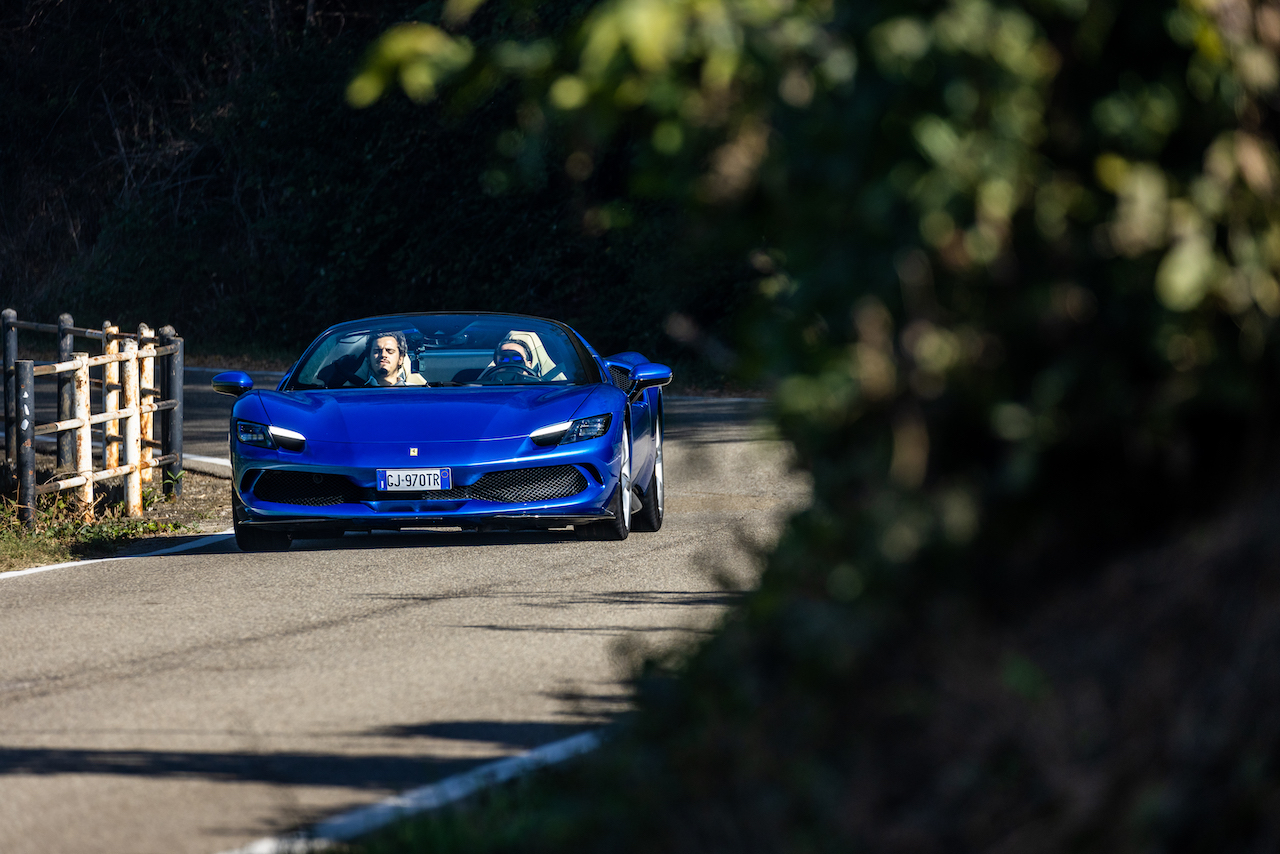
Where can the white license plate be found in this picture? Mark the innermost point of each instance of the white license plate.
(413, 480)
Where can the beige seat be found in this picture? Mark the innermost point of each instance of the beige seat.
(546, 368)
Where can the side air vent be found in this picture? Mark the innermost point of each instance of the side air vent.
(621, 378)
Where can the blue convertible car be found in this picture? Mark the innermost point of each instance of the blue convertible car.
(479, 421)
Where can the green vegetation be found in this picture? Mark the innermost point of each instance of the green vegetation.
(59, 534)
(1016, 267)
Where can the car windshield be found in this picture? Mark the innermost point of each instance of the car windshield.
(441, 350)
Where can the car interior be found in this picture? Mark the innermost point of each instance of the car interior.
(464, 358)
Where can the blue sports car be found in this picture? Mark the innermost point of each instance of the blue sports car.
(479, 421)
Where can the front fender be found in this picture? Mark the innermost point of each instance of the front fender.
(249, 407)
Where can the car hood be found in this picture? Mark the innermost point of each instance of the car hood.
(423, 414)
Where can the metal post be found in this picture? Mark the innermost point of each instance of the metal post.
(10, 317)
(146, 381)
(25, 385)
(83, 435)
(131, 431)
(110, 397)
(66, 343)
(171, 426)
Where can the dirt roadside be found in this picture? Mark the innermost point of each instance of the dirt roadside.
(205, 505)
(203, 509)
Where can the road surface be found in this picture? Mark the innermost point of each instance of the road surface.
(195, 702)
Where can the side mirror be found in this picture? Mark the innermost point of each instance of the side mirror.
(234, 383)
(648, 375)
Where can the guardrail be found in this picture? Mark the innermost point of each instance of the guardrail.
(129, 400)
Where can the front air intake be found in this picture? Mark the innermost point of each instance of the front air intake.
(305, 488)
(515, 486)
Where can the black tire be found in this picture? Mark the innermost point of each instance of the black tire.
(249, 539)
(619, 526)
(651, 509)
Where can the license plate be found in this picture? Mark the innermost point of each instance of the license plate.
(413, 480)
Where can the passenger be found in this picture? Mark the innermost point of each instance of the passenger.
(385, 356)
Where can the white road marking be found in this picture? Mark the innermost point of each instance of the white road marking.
(211, 460)
(359, 822)
(181, 547)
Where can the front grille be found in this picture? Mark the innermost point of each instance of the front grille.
(515, 486)
(306, 488)
(621, 378)
(520, 486)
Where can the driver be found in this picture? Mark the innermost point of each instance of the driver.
(385, 356)
(517, 353)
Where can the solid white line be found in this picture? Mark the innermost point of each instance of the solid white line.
(212, 460)
(358, 822)
(181, 547)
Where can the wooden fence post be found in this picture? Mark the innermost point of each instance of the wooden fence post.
(146, 394)
(131, 432)
(25, 383)
(83, 435)
(110, 397)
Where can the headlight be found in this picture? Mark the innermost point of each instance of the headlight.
(587, 428)
(572, 431)
(262, 436)
(258, 435)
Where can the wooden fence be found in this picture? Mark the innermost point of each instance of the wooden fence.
(129, 399)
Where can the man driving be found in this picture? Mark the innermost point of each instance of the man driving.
(513, 351)
(385, 356)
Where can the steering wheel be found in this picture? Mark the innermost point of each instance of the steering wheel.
(509, 371)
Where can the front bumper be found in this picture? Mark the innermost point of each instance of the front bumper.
(498, 483)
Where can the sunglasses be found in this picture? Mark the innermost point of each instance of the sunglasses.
(510, 357)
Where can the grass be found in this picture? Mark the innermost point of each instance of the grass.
(497, 819)
(59, 535)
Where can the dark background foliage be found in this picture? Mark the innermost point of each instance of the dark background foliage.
(195, 163)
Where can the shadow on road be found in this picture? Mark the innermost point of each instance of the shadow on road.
(358, 771)
(355, 541)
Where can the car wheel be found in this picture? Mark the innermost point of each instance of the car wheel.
(650, 515)
(619, 526)
(249, 539)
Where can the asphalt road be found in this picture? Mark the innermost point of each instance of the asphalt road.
(197, 701)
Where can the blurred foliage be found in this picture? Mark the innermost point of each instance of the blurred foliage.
(1016, 297)
(194, 163)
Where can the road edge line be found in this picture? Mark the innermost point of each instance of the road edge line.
(364, 820)
(181, 547)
